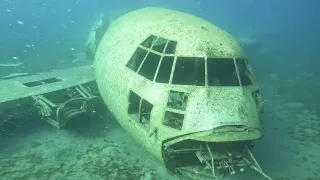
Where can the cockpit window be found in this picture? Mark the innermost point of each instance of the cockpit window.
(139, 109)
(222, 72)
(177, 100)
(245, 73)
(149, 41)
(171, 47)
(189, 71)
(173, 120)
(155, 60)
(137, 58)
(160, 44)
(177, 104)
(149, 66)
(154, 56)
(164, 71)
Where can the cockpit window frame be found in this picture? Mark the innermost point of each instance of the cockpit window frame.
(148, 45)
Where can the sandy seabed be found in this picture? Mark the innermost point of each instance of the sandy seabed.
(33, 150)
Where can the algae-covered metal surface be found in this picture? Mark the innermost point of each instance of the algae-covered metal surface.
(55, 96)
(177, 82)
(27, 86)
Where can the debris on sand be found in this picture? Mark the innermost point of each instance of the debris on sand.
(13, 75)
(11, 64)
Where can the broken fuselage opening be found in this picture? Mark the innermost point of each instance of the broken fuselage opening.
(188, 152)
(207, 160)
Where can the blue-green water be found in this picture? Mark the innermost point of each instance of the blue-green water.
(281, 39)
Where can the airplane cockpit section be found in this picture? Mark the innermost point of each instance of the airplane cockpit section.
(184, 89)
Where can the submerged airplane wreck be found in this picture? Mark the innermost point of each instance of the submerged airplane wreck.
(181, 86)
(184, 89)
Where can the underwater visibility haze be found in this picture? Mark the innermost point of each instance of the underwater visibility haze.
(159, 90)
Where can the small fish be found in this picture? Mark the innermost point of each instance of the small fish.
(20, 22)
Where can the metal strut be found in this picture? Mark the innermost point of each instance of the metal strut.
(46, 107)
(227, 161)
(58, 114)
(255, 166)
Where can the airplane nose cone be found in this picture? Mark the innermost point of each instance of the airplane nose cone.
(224, 106)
